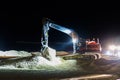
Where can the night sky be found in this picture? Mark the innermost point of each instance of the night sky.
(21, 30)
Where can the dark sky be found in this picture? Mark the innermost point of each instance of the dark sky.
(20, 27)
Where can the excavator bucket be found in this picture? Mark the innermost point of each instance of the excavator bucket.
(49, 53)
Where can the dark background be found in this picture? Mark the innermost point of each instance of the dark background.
(21, 29)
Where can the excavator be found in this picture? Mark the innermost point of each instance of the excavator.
(88, 48)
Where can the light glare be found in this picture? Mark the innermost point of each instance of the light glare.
(74, 40)
(112, 47)
(67, 31)
(118, 47)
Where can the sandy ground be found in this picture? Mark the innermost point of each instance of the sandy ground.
(39, 68)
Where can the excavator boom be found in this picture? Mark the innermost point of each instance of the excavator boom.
(49, 24)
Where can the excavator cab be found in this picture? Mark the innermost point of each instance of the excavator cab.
(93, 46)
(90, 46)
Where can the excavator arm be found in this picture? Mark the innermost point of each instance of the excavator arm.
(49, 24)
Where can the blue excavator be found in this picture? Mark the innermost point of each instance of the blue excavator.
(90, 47)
